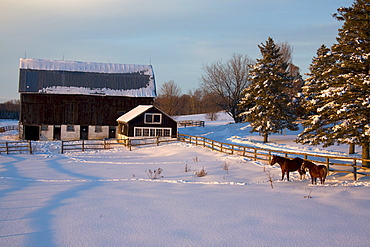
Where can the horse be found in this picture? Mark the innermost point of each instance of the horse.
(316, 171)
(288, 165)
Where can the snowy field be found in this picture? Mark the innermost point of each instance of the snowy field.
(105, 198)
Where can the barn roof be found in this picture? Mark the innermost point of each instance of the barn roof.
(127, 117)
(71, 77)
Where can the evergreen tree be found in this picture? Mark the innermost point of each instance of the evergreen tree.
(265, 105)
(343, 116)
(315, 96)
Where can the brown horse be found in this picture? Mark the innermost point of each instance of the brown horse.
(288, 165)
(316, 171)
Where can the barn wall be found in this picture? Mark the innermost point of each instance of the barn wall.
(47, 135)
(51, 109)
(98, 135)
(70, 135)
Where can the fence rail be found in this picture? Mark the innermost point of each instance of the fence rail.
(335, 164)
(186, 123)
(82, 145)
(7, 128)
(15, 147)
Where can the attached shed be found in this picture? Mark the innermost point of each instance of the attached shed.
(146, 121)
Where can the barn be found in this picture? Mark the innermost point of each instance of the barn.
(146, 121)
(71, 100)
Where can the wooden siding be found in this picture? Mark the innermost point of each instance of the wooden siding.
(138, 121)
(56, 109)
(35, 80)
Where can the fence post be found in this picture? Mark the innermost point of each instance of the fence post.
(354, 170)
(204, 142)
(157, 140)
(129, 143)
(255, 154)
(83, 145)
(221, 148)
(62, 149)
(243, 151)
(269, 156)
(7, 147)
(212, 145)
(30, 146)
(327, 165)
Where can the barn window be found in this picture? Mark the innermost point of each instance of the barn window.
(70, 128)
(98, 128)
(152, 118)
(152, 132)
(44, 127)
(138, 131)
(167, 132)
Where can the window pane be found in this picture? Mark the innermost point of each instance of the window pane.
(167, 132)
(148, 118)
(138, 132)
(157, 118)
(146, 132)
(159, 132)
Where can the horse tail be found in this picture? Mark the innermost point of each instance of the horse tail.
(325, 170)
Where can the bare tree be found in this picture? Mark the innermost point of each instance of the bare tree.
(169, 99)
(227, 81)
(286, 51)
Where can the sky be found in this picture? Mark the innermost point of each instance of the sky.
(178, 38)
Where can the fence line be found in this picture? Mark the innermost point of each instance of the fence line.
(83, 145)
(7, 128)
(190, 123)
(15, 147)
(335, 164)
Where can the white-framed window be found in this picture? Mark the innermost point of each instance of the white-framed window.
(152, 118)
(152, 132)
(44, 127)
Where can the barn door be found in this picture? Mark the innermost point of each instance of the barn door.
(57, 131)
(112, 132)
(32, 133)
(84, 132)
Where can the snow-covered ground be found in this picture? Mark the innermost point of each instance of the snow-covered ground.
(105, 198)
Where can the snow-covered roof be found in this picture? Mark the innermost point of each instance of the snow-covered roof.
(98, 79)
(125, 118)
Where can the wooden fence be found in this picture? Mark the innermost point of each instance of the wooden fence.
(186, 123)
(335, 164)
(82, 145)
(15, 147)
(7, 128)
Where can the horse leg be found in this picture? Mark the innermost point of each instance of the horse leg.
(287, 175)
(312, 178)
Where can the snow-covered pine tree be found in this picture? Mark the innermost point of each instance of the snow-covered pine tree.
(345, 111)
(315, 93)
(264, 104)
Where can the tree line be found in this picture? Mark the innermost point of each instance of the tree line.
(10, 109)
(332, 103)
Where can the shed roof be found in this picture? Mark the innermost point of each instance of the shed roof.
(127, 117)
(72, 77)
